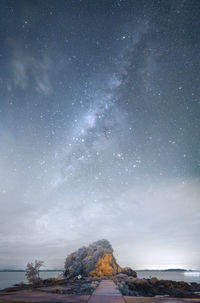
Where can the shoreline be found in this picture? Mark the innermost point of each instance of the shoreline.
(17, 276)
(80, 290)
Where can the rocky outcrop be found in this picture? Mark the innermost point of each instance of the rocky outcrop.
(96, 260)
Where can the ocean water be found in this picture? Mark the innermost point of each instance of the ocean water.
(171, 275)
(10, 278)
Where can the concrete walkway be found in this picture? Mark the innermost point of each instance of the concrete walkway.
(106, 292)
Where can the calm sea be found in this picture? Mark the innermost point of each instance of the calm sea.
(170, 275)
(11, 278)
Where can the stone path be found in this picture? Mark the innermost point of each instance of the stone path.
(106, 292)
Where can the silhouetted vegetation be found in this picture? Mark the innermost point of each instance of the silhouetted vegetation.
(32, 271)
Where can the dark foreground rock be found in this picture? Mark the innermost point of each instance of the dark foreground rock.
(158, 300)
(104, 293)
(60, 286)
(130, 286)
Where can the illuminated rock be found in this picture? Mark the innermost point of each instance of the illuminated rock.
(96, 260)
(105, 266)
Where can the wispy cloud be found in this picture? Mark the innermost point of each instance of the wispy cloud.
(30, 72)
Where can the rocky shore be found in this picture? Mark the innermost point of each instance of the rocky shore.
(74, 286)
(131, 286)
(128, 286)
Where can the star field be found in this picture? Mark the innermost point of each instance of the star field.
(99, 130)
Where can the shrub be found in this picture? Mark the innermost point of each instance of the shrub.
(32, 271)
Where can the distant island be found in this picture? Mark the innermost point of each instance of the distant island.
(170, 269)
(175, 269)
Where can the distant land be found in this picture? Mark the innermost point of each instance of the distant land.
(170, 269)
(176, 269)
(23, 270)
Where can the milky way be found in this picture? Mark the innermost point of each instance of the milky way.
(99, 130)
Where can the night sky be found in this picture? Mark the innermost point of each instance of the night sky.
(99, 130)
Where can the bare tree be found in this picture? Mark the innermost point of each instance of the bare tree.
(32, 271)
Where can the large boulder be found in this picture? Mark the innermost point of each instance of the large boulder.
(96, 260)
(129, 272)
